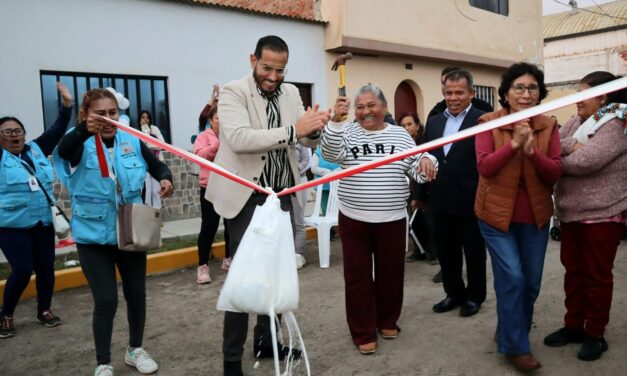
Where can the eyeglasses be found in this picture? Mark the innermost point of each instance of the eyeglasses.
(268, 69)
(520, 89)
(9, 132)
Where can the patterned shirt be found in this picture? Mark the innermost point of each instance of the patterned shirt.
(276, 173)
(380, 194)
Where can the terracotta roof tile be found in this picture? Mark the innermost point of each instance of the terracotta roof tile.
(300, 10)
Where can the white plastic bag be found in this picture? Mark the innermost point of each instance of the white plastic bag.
(263, 278)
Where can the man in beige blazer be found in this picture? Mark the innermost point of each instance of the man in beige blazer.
(261, 121)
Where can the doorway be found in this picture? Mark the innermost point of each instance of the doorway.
(404, 99)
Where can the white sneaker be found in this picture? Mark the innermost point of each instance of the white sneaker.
(300, 261)
(104, 370)
(202, 274)
(140, 359)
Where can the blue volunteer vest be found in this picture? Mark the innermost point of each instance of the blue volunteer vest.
(20, 207)
(94, 198)
(324, 164)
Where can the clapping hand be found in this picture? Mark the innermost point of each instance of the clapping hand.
(312, 121)
(528, 147)
(522, 132)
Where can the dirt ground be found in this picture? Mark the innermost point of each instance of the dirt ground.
(184, 329)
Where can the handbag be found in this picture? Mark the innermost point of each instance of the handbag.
(138, 227)
(60, 222)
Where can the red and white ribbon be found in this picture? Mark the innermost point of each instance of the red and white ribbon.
(466, 133)
(202, 162)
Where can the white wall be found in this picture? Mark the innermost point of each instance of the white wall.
(194, 46)
(571, 59)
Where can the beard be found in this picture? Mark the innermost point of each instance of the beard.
(258, 81)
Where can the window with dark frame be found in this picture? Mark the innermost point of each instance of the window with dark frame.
(494, 6)
(148, 93)
(305, 93)
(486, 93)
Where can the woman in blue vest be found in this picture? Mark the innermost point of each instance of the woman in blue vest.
(94, 202)
(321, 167)
(26, 232)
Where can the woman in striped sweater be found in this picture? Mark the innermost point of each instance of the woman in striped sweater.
(372, 215)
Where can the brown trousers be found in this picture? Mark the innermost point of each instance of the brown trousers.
(372, 303)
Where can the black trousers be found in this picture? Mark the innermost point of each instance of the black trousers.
(28, 249)
(235, 323)
(98, 263)
(210, 221)
(457, 236)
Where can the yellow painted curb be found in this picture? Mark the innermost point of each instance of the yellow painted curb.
(156, 263)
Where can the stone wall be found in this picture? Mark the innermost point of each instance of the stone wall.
(184, 203)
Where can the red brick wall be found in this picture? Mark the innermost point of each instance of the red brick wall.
(291, 8)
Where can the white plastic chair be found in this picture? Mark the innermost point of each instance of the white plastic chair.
(324, 223)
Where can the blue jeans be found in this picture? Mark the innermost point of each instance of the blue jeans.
(517, 263)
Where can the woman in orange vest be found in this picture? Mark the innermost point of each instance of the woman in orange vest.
(518, 165)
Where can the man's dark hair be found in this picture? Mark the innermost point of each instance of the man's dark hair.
(515, 71)
(272, 43)
(601, 77)
(448, 70)
(459, 74)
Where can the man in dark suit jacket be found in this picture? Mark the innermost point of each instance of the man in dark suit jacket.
(452, 197)
(440, 107)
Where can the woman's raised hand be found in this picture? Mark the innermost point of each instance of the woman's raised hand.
(65, 94)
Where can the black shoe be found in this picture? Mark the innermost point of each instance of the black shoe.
(7, 327)
(261, 352)
(332, 234)
(563, 337)
(438, 277)
(469, 308)
(445, 305)
(415, 257)
(48, 319)
(433, 259)
(233, 368)
(592, 348)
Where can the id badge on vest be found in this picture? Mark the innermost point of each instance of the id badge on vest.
(32, 183)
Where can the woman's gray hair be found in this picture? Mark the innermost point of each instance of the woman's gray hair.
(370, 88)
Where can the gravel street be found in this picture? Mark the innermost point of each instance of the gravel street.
(184, 329)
